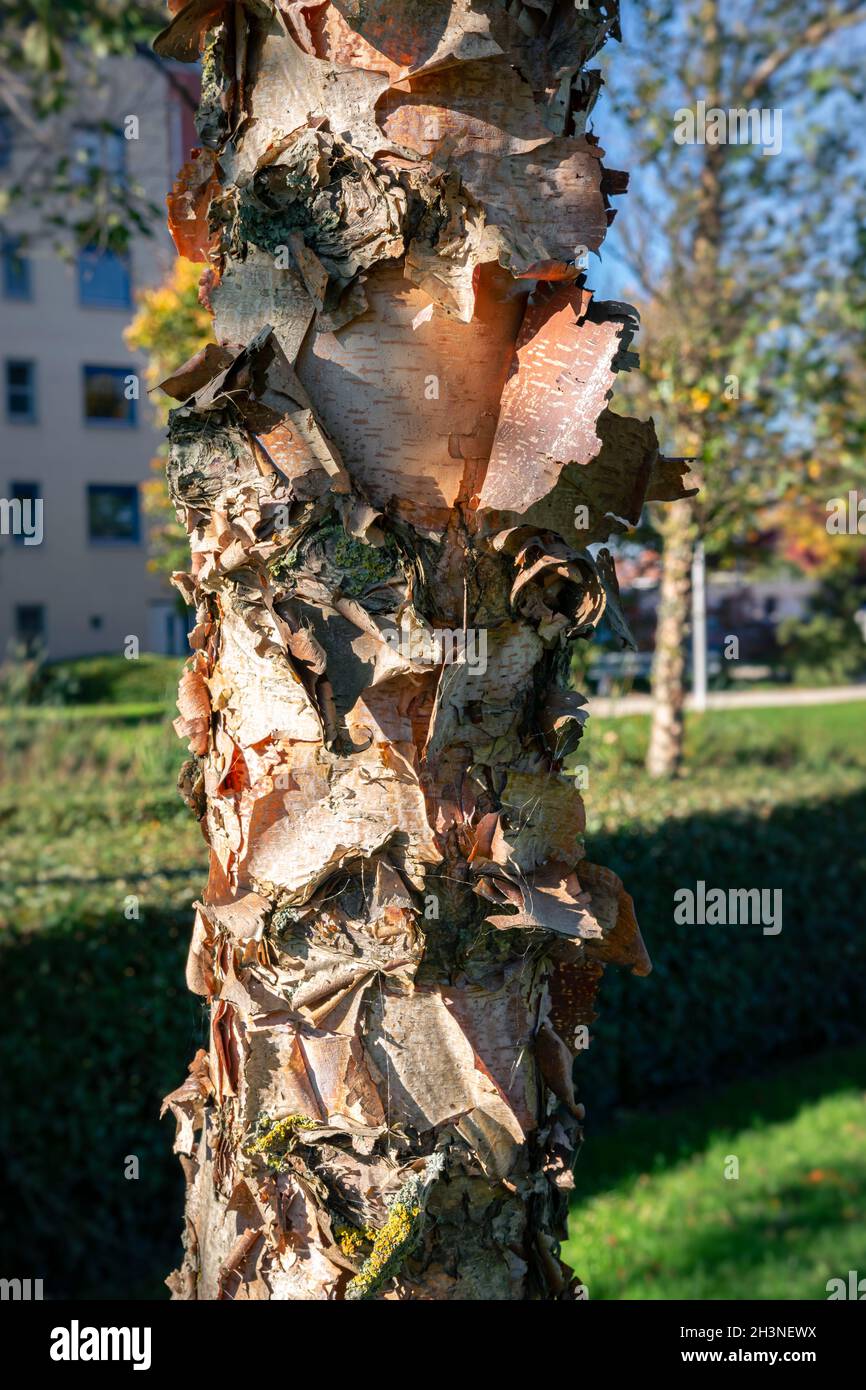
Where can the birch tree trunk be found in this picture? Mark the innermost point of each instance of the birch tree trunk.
(390, 465)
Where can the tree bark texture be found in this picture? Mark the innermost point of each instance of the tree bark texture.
(391, 464)
(669, 657)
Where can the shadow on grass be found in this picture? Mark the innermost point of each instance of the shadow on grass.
(657, 1213)
(100, 1027)
(760, 1241)
(674, 1132)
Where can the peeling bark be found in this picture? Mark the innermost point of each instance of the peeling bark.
(377, 466)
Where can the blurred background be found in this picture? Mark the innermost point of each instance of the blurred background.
(728, 747)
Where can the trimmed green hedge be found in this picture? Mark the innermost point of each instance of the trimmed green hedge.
(109, 680)
(723, 999)
(103, 1027)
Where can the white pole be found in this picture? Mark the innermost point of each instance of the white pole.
(699, 628)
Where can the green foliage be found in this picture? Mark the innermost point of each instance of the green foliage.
(113, 679)
(828, 647)
(49, 53)
(655, 1218)
(25, 681)
(37, 37)
(89, 680)
(823, 650)
(721, 997)
(102, 1022)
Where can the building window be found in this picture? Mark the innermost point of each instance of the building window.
(105, 396)
(99, 155)
(112, 513)
(16, 271)
(28, 494)
(104, 279)
(30, 626)
(98, 151)
(21, 391)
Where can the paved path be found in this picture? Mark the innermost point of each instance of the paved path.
(613, 708)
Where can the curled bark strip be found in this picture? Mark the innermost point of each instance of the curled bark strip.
(189, 202)
(195, 712)
(182, 38)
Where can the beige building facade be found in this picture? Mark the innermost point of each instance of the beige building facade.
(77, 433)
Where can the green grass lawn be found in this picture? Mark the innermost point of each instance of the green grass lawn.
(654, 1216)
(120, 712)
(734, 759)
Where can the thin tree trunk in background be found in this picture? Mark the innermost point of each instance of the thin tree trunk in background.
(669, 658)
(390, 466)
(679, 529)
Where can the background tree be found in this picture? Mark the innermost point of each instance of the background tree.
(391, 465)
(50, 55)
(736, 257)
(829, 646)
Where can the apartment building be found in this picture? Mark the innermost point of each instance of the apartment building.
(76, 429)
